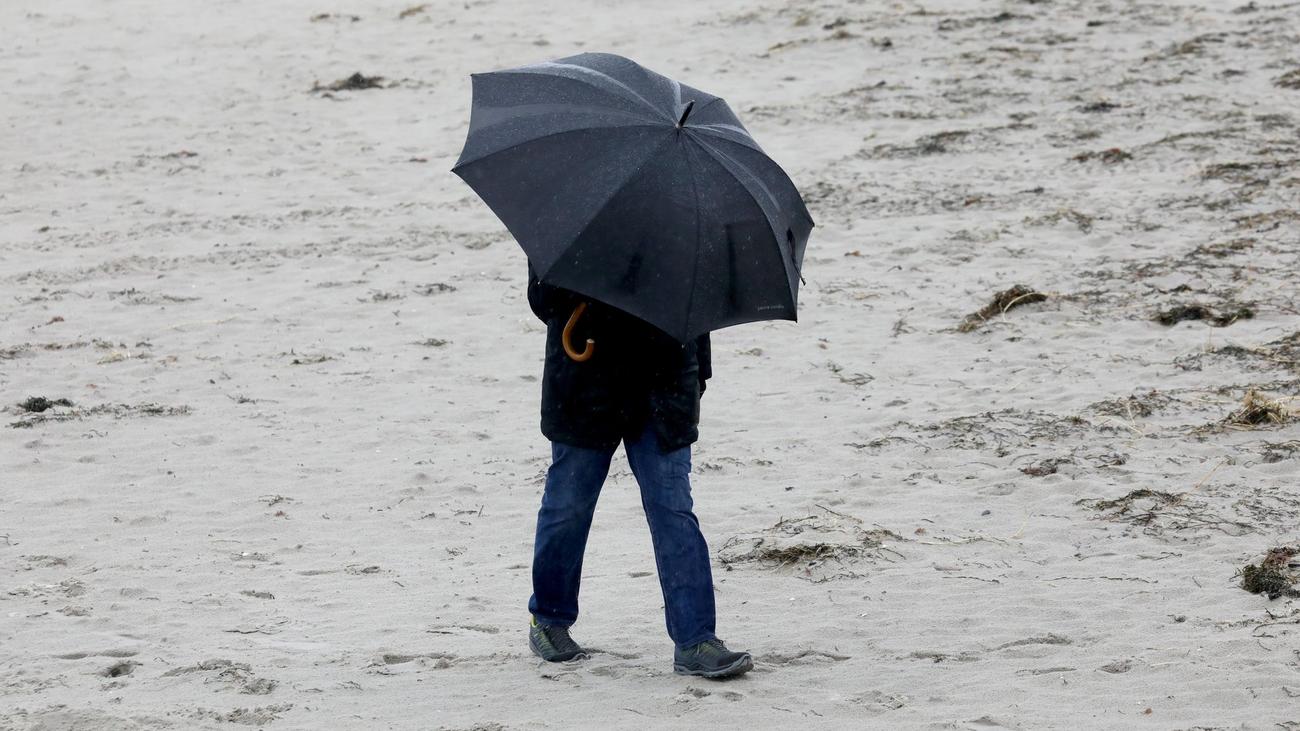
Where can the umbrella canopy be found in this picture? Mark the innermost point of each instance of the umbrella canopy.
(637, 191)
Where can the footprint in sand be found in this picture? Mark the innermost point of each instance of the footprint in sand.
(875, 701)
(385, 662)
(801, 657)
(119, 669)
(114, 652)
(235, 676)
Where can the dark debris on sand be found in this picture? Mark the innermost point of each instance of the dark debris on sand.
(1278, 451)
(1002, 431)
(307, 359)
(1045, 467)
(427, 290)
(1273, 576)
(1179, 313)
(950, 24)
(1256, 410)
(117, 411)
(1289, 80)
(335, 16)
(1003, 301)
(1281, 353)
(1100, 107)
(817, 547)
(1109, 156)
(1159, 513)
(40, 404)
(1122, 505)
(1133, 406)
(355, 82)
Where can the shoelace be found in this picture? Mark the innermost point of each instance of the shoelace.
(716, 645)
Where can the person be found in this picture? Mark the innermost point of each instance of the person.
(634, 384)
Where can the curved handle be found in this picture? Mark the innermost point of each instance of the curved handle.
(568, 330)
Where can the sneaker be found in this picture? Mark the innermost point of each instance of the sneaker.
(552, 643)
(711, 659)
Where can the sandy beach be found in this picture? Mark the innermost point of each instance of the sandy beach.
(269, 446)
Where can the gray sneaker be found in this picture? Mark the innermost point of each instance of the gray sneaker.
(552, 643)
(711, 659)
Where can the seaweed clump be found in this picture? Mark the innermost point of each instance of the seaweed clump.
(813, 545)
(1109, 156)
(1122, 505)
(1157, 513)
(1273, 575)
(1256, 410)
(355, 82)
(117, 411)
(40, 404)
(1136, 405)
(1046, 467)
(1175, 315)
(1278, 451)
(1003, 301)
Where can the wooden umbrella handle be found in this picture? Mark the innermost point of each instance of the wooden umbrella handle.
(568, 330)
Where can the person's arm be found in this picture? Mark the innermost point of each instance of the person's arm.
(546, 301)
(704, 355)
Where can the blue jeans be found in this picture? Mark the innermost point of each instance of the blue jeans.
(572, 486)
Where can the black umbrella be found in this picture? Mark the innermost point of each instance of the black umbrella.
(637, 191)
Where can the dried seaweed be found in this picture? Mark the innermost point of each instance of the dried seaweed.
(1003, 301)
(1006, 429)
(1281, 353)
(39, 404)
(355, 82)
(1109, 156)
(1175, 315)
(1256, 410)
(1136, 405)
(1099, 107)
(1157, 512)
(1274, 575)
(1122, 505)
(1081, 220)
(1278, 451)
(1045, 467)
(118, 411)
(816, 547)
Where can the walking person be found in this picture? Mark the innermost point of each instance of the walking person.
(632, 384)
(650, 218)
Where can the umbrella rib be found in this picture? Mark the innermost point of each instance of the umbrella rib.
(531, 140)
(695, 267)
(710, 103)
(786, 259)
(721, 131)
(515, 112)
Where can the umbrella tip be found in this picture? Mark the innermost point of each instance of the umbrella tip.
(686, 113)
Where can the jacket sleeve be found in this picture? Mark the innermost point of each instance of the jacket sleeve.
(703, 353)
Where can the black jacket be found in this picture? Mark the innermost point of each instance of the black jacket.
(637, 373)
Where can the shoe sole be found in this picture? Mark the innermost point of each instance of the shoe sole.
(739, 667)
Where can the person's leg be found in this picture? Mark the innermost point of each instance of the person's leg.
(681, 554)
(573, 483)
